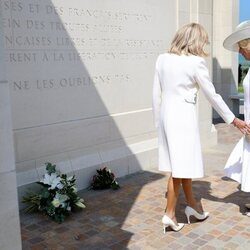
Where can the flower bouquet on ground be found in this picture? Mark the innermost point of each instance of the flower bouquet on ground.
(57, 197)
(104, 179)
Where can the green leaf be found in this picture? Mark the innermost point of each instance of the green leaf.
(115, 185)
(33, 201)
(50, 168)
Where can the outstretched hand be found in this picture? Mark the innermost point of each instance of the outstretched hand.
(241, 125)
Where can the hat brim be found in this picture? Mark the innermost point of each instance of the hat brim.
(231, 42)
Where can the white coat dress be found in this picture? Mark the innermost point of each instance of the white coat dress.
(238, 163)
(176, 83)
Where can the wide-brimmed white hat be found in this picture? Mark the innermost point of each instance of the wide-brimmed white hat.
(242, 32)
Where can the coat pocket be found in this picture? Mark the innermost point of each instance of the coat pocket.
(191, 98)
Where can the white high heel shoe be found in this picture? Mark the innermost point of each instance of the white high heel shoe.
(167, 222)
(189, 211)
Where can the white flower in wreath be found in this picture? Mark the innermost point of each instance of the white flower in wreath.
(60, 186)
(53, 180)
(59, 200)
(56, 203)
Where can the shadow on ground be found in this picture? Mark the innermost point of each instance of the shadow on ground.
(203, 191)
(102, 225)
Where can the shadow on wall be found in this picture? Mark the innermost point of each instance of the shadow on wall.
(225, 85)
(72, 96)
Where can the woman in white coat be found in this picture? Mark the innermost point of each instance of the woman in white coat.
(238, 164)
(178, 76)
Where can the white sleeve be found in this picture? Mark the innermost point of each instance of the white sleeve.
(156, 97)
(203, 80)
(247, 97)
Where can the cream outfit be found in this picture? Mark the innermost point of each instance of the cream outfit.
(176, 83)
(238, 163)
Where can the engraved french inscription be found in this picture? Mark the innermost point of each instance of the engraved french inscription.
(75, 51)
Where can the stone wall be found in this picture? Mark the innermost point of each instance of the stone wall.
(80, 76)
(9, 214)
(225, 63)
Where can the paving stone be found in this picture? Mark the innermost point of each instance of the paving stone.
(223, 228)
(199, 242)
(36, 240)
(184, 240)
(207, 237)
(61, 229)
(215, 232)
(174, 245)
(112, 224)
(32, 227)
(208, 247)
(190, 247)
(224, 237)
(231, 245)
(238, 239)
(192, 235)
(38, 247)
(91, 232)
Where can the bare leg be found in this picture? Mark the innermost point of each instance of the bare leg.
(172, 196)
(187, 187)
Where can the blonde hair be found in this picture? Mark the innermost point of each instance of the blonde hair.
(190, 40)
(244, 44)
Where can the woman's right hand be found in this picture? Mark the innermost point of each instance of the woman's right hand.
(241, 125)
